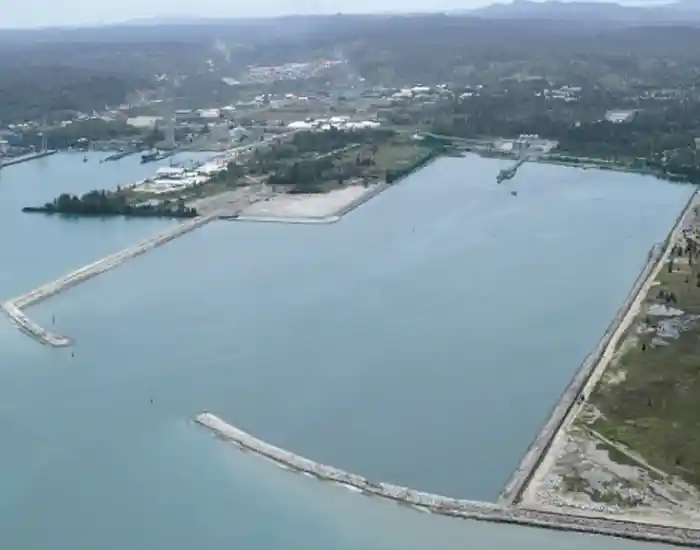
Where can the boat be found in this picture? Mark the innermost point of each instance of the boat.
(150, 157)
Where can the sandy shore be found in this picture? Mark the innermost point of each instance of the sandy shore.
(310, 206)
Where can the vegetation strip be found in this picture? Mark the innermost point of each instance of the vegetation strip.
(443, 505)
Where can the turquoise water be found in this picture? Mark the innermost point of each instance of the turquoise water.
(422, 340)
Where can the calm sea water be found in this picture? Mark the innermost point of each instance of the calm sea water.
(422, 341)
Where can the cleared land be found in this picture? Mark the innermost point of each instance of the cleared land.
(633, 447)
(317, 205)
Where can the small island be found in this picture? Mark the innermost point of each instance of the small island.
(105, 203)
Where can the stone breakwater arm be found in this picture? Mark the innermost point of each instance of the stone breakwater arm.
(438, 504)
(591, 368)
(33, 329)
(13, 308)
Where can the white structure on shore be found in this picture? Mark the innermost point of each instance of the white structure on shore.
(339, 122)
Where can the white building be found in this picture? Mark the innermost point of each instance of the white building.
(618, 117)
(209, 114)
(300, 125)
(238, 134)
(170, 172)
(144, 122)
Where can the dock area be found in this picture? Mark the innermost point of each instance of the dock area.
(13, 308)
(438, 504)
(27, 158)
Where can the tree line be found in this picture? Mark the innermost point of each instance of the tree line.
(102, 203)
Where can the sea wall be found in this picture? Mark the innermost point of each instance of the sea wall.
(284, 219)
(540, 446)
(24, 323)
(443, 505)
(13, 308)
(359, 201)
(27, 158)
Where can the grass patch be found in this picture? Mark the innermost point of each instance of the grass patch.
(656, 410)
(398, 155)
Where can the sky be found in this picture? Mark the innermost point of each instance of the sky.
(43, 13)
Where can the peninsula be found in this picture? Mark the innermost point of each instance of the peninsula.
(281, 169)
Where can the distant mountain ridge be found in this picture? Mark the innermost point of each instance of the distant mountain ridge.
(683, 11)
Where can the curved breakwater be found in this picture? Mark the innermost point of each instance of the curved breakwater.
(439, 504)
(13, 308)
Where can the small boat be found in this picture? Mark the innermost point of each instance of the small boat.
(514, 193)
(85, 159)
(149, 157)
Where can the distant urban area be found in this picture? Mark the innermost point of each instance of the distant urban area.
(600, 96)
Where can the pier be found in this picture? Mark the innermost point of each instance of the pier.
(438, 504)
(27, 158)
(13, 308)
(509, 173)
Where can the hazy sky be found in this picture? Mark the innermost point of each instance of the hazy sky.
(39, 13)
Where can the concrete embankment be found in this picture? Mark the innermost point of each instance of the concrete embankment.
(283, 219)
(596, 360)
(334, 217)
(14, 307)
(359, 201)
(27, 158)
(449, 506)
(33, 329)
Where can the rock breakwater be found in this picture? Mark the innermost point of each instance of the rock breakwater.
(439, 504)
(13, 308)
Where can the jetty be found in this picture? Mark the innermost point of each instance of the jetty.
(443, 505)
(13, 308)
(509, 173)
(27, 158)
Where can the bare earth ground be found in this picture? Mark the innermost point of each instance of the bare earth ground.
(232, 202)
(306, 206)
(632, 448)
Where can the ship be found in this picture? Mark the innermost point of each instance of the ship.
(118, 155)
(150, 157)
